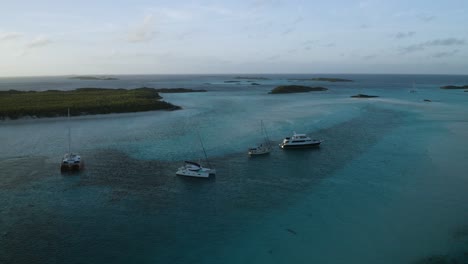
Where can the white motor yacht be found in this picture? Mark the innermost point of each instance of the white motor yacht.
(299, 141)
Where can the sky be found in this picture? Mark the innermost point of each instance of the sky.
(65, 37)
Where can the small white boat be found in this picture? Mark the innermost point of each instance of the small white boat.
(71, 161)
(193, 169)
(263, 148)
(259, 150)
(299, 141)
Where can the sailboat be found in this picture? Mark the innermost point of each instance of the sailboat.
(263, 148)
(194, 169)
(71, 161)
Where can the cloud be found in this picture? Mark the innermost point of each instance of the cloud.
(329, 45)
(144, 32)
(38, 42)
(432, 43)
(369, 57)
(445, 54)
(403, 35)
(287, 31)
(10, 36)
(273, 57)
(422, 16)
(426, 17)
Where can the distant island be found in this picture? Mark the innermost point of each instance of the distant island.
(175, 90)
(83, 101)
(363, 96)
(94, 78)
(320, 79)
(250, 78)
(295, 89)
(232, 81)
(453, 87)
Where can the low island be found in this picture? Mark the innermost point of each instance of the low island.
(175, 90)
(321, 79)
(363, 96)
(250, 78)
(93, 78)
(454, 87)
(296, 89)
(83, 101)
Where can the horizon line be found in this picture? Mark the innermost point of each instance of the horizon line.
(221, 74)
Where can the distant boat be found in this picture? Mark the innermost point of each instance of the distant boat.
(299, 141)
(194, 169)
(71, 161)
(413, 90)
(263, 148)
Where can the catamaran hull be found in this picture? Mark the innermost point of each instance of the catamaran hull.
(198, 174)
(193, 174)
(71, 167)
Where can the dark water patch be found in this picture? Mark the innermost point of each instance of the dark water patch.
(123, 210)
(18, 172)
(457, 255)
(437, 259)
(461, 233)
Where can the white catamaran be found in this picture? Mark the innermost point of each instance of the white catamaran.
(194, 169)
(71, 161)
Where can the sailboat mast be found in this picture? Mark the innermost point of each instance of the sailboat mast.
(267, 138)
(204, 151)
(69, 132)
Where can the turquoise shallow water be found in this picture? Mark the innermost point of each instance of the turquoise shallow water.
(387, 186)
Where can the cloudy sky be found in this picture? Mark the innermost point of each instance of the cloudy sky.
(260, 36)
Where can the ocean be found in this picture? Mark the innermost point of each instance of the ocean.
(388, 185)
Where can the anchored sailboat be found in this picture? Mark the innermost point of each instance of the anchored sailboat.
(194, 169)
(71, 161)
(263, 148)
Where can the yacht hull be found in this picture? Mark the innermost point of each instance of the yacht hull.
(300, 146)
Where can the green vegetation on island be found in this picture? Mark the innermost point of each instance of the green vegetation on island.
(363, 96)
(94, 78)
(296, 89)
(83, 101)
(453, 87)
(320, 79)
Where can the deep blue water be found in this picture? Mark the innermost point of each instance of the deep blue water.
(389, 184)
